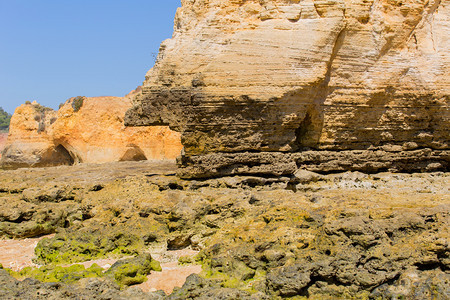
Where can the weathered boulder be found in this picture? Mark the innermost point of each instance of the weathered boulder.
(88, 130)
(285, 76)
(134, 270)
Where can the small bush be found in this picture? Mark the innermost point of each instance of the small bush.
(41, 127)
(41, 109)
(77, 103)
(27, 102)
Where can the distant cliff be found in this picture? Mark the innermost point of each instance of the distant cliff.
(88, 130)
(265, 87)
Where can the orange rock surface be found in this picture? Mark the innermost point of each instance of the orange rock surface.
(3, 137)
(92, 133)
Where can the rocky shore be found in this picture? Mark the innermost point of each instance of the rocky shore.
(344, 235)
(314, 140)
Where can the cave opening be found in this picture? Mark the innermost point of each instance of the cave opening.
(133, 154)
(303, 131)
(62, 156)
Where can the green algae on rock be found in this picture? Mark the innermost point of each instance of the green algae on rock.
(125, 272)
(86, 288)
(69, 246)
(69, 274)
(133, 270)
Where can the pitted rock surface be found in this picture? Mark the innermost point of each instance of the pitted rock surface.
(316, 236)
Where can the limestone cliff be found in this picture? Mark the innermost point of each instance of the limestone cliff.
(88, 130)
(277, 76)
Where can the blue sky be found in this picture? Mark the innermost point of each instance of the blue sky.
(51, 50)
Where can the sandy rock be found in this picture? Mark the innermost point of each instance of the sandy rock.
(28, 142)
(273, 76)
(3, 137)
(304, 176)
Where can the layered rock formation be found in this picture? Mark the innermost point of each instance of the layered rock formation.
(88, 130)
(279, 77)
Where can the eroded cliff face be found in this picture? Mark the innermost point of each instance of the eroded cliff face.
(28, 142)
(289, 76)
(88, 130)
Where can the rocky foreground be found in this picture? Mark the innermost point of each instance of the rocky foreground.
(345, 235)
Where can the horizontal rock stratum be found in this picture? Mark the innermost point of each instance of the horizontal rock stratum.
(87, 130)
(250, 84)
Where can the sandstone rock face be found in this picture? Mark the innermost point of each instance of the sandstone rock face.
(287, 76)
(92, 132)
(3, 137)
(29, 143)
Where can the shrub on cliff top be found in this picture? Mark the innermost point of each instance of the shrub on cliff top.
(77, 103)
(41, 109)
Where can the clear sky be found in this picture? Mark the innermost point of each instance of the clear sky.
(51, 50)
